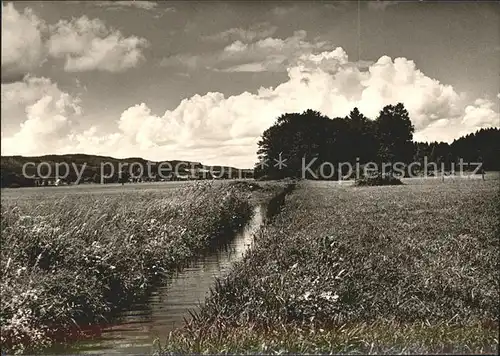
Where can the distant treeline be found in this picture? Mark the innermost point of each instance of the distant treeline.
(313, 137)
(41, 170)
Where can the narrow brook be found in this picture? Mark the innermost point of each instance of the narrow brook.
(135, 329)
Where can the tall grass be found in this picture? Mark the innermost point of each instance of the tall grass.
(78, 258)
(399, 269)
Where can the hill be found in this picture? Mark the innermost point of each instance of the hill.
(83, 168)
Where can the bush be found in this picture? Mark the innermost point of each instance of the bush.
(264, 177)
(379, 179)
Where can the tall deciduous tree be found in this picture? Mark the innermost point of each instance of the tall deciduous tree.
(394, 132)
(292, 139)
(362, 141)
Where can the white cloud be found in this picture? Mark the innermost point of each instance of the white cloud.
(235, 47)
(91, 141)
(22, 47)
(27, 92)
(282, 11)
(48, 116)
(89, 45)
(481, 114)
(145, 5)
(268, 54)
(399, 80)
(159, 8)
(327, 82)
(273, 54)
(257, 31)
(84, 44)
(216, 129)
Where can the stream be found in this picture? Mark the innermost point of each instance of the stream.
(135, 329)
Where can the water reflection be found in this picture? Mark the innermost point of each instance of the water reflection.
(136, 328)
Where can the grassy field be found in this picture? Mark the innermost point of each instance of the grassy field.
(99, 189)
(344, 269)
(73, 255)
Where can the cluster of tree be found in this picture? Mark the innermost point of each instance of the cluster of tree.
(482, 146)
(311, 137)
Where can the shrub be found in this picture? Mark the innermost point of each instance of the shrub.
(378, 179)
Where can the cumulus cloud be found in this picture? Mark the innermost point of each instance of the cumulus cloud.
(481, 114)
(90, 45)
(22, 46)
(326, 82)
(217, 129)
(27, 41)
(21, 94)
(426, 98)
(49, 114)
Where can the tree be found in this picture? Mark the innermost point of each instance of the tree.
(484, 143)
(96, 178)
(123, 176)
(362, 140)
(293, 138)
(394, 132)
(319, 139)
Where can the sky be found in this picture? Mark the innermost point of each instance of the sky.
(201, 81)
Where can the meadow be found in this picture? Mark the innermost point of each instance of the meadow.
(72, 256)
(344, 269)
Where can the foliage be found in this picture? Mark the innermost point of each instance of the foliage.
(302, 138)
(362, 141)
(482, 146)
(394, 132)
(378, 179)
(311, 136)
(295, 137)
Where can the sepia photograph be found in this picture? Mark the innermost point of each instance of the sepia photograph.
(250, 177)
